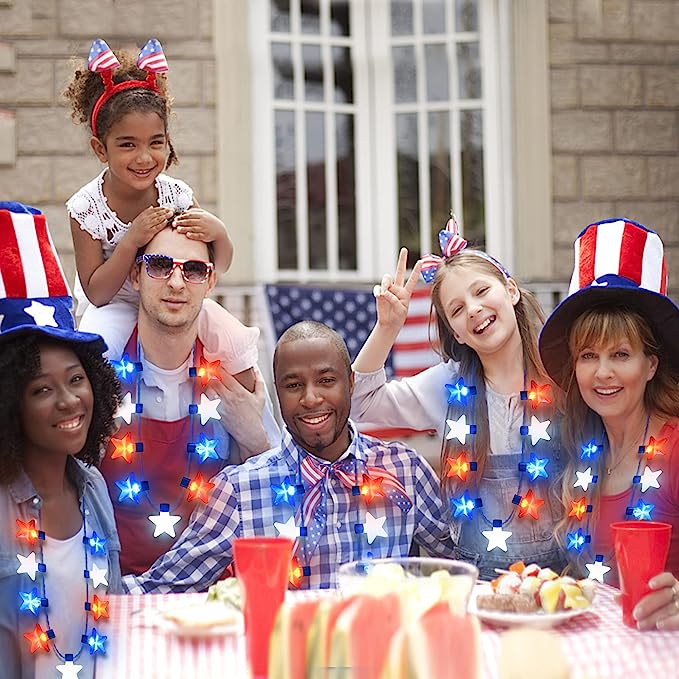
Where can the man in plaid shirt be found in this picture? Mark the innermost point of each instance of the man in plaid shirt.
(342, 496)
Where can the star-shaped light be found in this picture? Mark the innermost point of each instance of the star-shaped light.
(575, 540)
(42, 314)
(124, 368)
(126, 408)
(97, 544)
(289, 529)
(463, 505)
(28, 565)
(459, 429)
(30, 601)
(584, 479)
(538, 430)
(129, 489)
(589, 450)
(38, 639)
(537, 394)
(374, 527)
(164, 522)
(199, 488)
(459, 467)
(597, 570)
(69, 670)
(529, 504)
(536, 466)
(99, 608)
(208, 408)
(208, 371)
(653, 448)
(28, 530)
(206, 448)
(497, 538)
(459, 392)
(371, 488)
(649, 479)
(96, 642)
(578, 508)
(642, 511)
(296, 572)
(123, 447)
(98, 575)
(284, 492)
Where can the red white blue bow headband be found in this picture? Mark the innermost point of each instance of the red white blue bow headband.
(102, 60)
(451, 243)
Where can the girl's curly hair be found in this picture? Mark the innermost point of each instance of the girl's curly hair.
(87, 86)
(19, 363)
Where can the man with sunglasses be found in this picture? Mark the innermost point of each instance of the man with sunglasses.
(195, 417)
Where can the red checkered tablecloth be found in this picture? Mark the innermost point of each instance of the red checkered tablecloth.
(596, 644)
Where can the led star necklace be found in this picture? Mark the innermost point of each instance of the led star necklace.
(204, 448)
(35, 602)
(530, 468)
(306, 496)
(580, 541)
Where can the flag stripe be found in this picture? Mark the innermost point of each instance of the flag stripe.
(633, 245)
(25, 228)
(11, 267)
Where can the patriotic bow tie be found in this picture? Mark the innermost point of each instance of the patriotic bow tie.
(450, 243)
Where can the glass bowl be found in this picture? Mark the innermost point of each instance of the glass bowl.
(422, 581)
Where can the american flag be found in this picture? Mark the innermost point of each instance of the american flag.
(101, 58)
(151, 58)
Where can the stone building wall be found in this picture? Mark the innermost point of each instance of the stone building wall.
(39, 38)
(615, 131)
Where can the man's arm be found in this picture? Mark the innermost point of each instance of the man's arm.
(202, 551)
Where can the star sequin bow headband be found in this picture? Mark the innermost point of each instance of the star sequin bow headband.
(102, 60)
(451, 243)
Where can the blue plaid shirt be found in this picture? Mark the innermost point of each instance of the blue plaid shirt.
(242, 505)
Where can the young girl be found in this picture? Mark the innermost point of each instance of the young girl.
(489, 399)
(611, 345)
(126, 106)
(58, 541)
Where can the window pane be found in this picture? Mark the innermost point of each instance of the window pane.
(408, 187)
(313, 72)
(434, 16)
(466, 15)
(339, 18)
(471, 139)
(280, 16)
(315, 173)
(344, 75)
(401, 17)
(311, 20)
(437, 72)
(469, 70)
(439, 173)
(405, 76)
(346, 192)
(286, 190)
(282, 70)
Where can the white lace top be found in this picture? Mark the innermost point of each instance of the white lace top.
(88, 206)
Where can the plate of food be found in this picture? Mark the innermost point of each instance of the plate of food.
(531, 596)
(200, 619)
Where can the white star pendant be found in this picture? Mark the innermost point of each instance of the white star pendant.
(164, 523)
(28, 565)
(538, 430)
(208, 409)
(597, 570)
(69, 670)
(98, 576)
(42, 314)
(584, 479)
(374, 527)
(458, 429)
(126, 408)
(497, 538)
(287, 529)
(649, 479)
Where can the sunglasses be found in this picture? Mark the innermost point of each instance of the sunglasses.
(163, 266)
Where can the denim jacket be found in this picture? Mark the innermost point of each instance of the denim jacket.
(19, 500)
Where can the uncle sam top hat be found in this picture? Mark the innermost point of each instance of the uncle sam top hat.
(618, 263)
(34, 295)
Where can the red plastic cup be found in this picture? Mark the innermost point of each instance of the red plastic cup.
(641, 549)
(263, 567)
